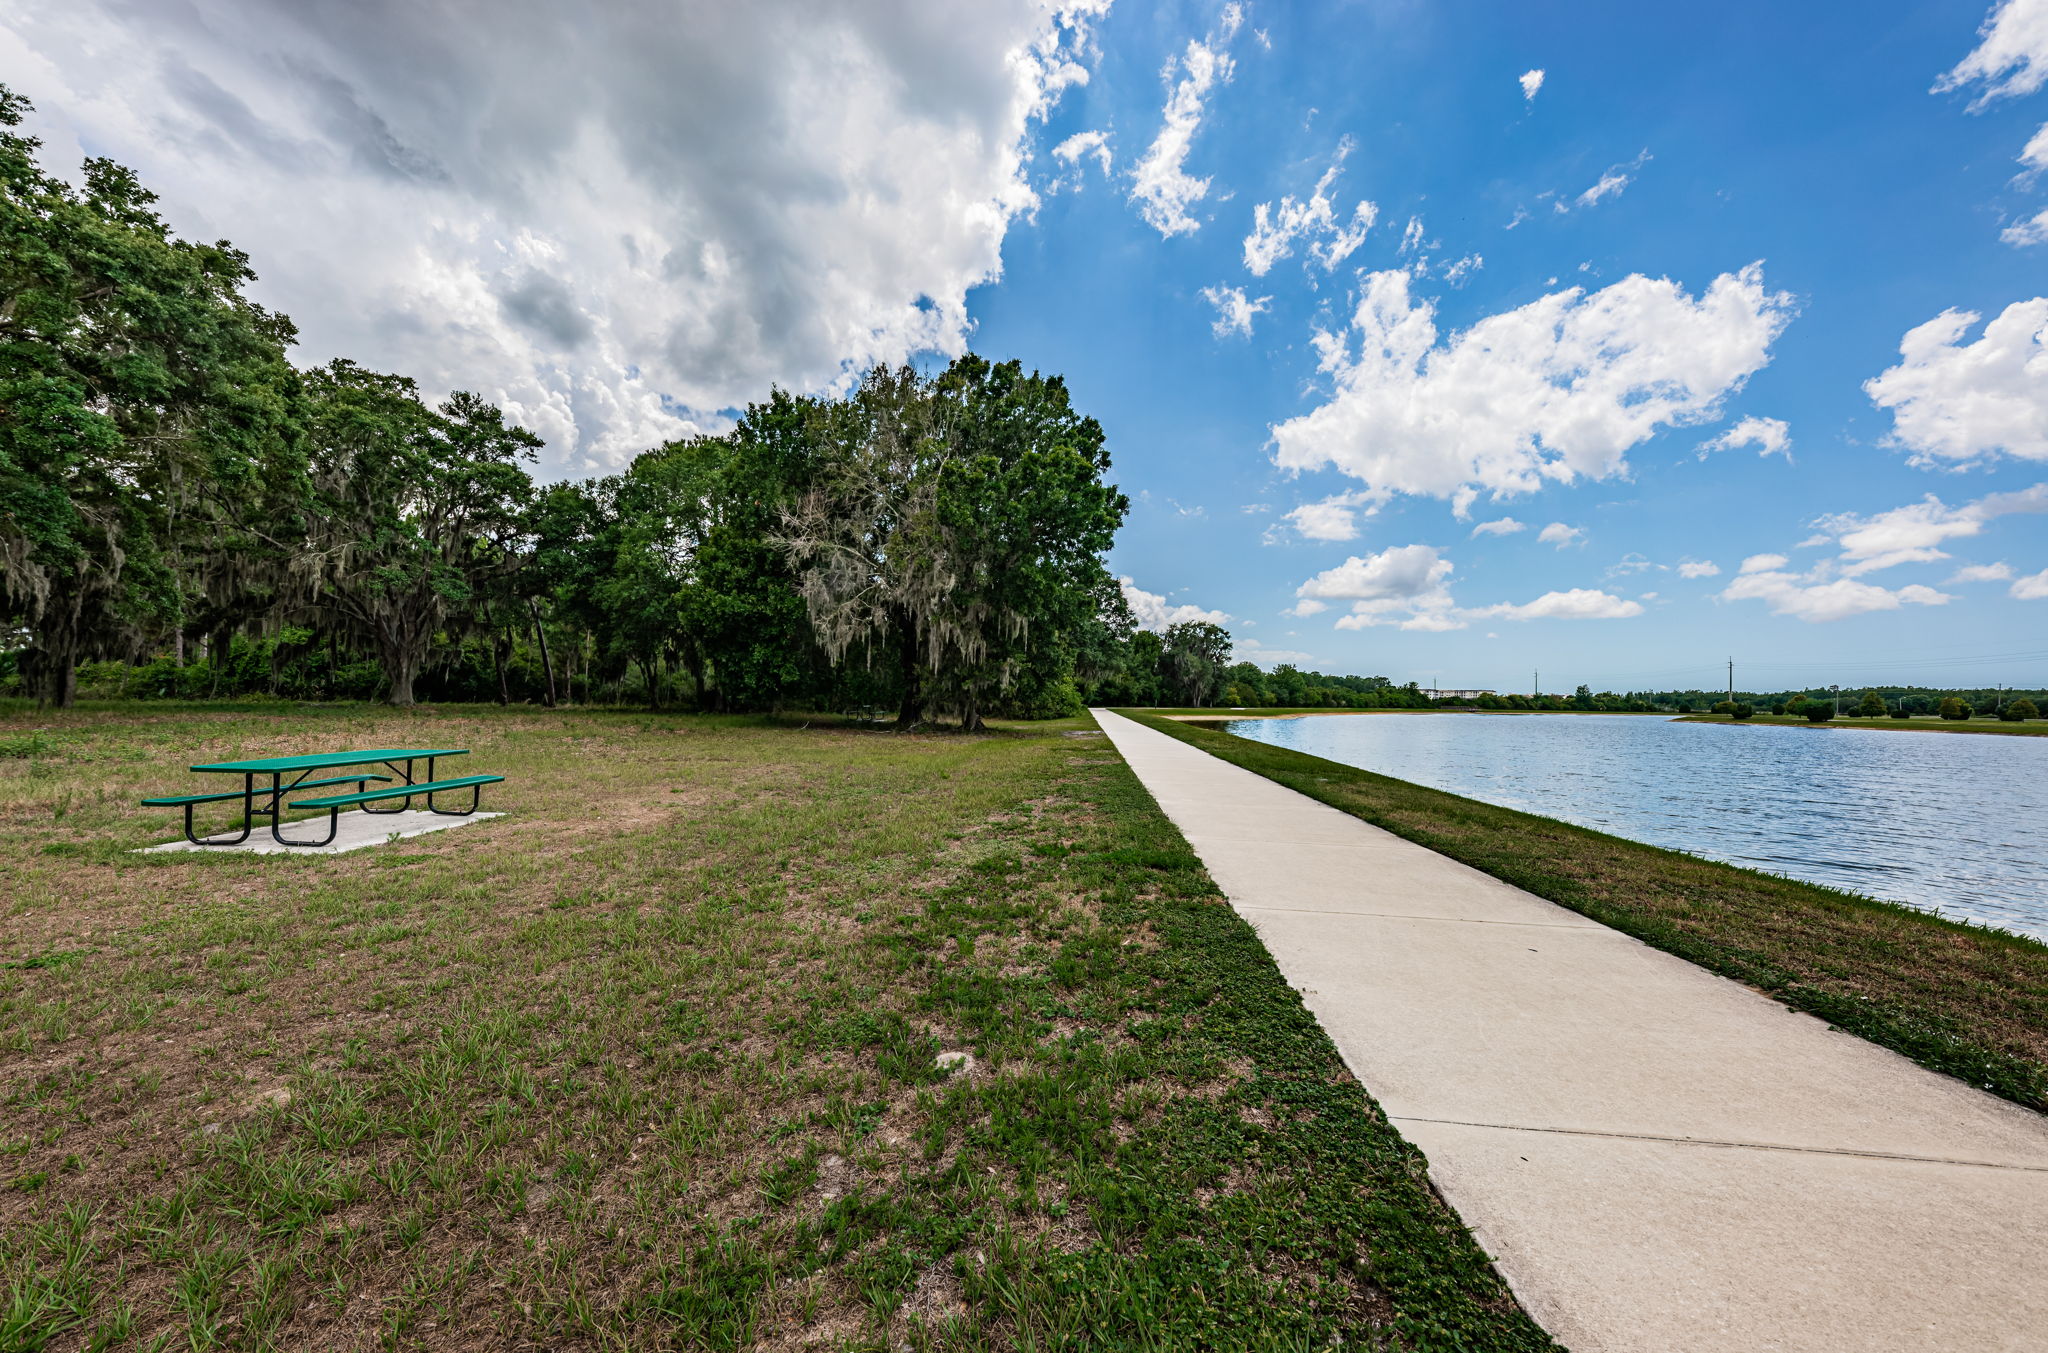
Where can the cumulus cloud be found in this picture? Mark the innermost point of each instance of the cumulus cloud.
(1805, 597)
(1153, 612)
(1327, 238)
(2033, 587)
(1531, 81)
(1770, 437)
(1913, 534)
(1403, 585)
(1555, 390)
(1160, 184)
(1982, 573)
(1089, 145)
(2033, 230)
(1504, 526)
(1334, 518)
(1560, 535)
(1698, 568)
(2011, 57)
(1580, 603)
(2034, 155)
(1763, 563)
(1958, 402)
(616, 227)
(1233, 310)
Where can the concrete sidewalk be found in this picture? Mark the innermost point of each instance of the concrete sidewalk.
(1658, 1159)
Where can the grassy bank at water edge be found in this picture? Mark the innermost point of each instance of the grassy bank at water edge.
(1961, 999)
(652, 1060)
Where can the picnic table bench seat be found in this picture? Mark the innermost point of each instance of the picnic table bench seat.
(334, 803)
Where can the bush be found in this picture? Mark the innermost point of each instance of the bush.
(1818, 711)
(1902, 712)
(1779, 708)
(1741, 710)
(1725, 707)
(2018, 710)
(1952, 708)
(1873, 706)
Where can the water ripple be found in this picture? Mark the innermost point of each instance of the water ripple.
(1952, 823)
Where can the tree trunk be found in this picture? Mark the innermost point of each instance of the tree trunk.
(498, 666)
(911, 710)
(546, 664)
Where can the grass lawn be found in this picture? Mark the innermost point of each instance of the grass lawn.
(652, 1061)
(1962, 999)
(1919, 723)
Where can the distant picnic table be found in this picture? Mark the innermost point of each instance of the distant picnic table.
(402, 784)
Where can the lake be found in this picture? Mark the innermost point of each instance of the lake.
(1955, 823)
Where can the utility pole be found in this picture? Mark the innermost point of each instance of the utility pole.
(1536, 684)
(1731, 678)
(1838, 700)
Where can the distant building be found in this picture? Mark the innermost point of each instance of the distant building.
(1448, 694)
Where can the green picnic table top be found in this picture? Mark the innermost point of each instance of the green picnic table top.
(268, 764)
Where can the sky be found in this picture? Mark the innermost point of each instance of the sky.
(1445, 340)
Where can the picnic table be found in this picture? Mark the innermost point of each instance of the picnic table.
(290, 774)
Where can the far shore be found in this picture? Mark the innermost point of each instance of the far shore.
(1919, 723)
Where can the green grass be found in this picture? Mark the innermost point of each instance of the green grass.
(1919, 723)
(650, 1061)
(1962, 999)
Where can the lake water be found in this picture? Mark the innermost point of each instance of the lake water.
(1952, 822)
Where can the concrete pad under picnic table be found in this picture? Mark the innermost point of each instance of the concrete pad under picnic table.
(353, 831)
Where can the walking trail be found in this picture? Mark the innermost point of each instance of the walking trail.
(1658, 1159)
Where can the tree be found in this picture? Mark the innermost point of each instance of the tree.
(1953, 708)
(415, 509)
(957, 523)
(1742, 710)
(1582, 698)
(1195, 656)
(1724, 707)
(2019, 710)
(1818, 711)
(1872, 706)
(144, 407)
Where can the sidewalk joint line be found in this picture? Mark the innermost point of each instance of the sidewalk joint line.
(1715, 1141)
(1408, 916)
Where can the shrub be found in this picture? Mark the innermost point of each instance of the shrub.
(1952, 708)
(1902, 712)
(1818, 711)
(1741, 710)
(1725, 707)
(1872, 707)
(2019, 710)
(1779, 707)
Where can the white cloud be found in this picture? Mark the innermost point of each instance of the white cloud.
(1698, 568)
(1152, 612)
(2020, 234)
(1559, 388)
(1505, 526)
(1982, 573)
(1531, 81)
(1160, 184)
(1581, 603)
(1404, 585)
(1460, 271)
(1233, 311)
(1560, 535)
(1960, 402)
(1092, 145)
(1308, 606)
(2034, 155)
(2012, 57)
(1633, 563)
(1763, 563)
(1804, 597)
(1334, 518)
(1251, 650)
(1770, 436)
(1612, 184)
(670, 211)
(1912, 534)
(2033, 587)
(1411, 236)
(1330, 240)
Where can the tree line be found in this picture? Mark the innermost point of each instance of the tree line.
(184, 511)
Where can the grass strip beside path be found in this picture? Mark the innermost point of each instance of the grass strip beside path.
(1961, 999)
(650, 1062)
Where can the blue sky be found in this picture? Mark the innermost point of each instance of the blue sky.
(1413, 363)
